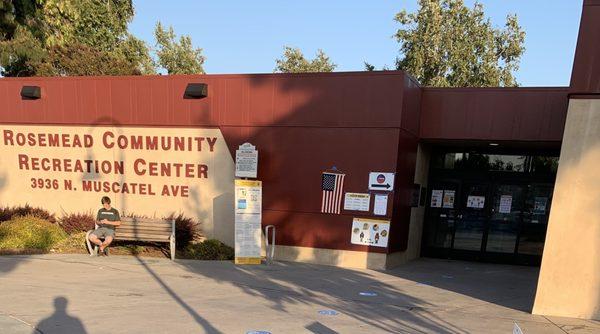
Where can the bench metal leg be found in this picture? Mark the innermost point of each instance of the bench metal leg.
(172, 247)
(93, 250)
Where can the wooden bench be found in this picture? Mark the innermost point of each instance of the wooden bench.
(141, 229)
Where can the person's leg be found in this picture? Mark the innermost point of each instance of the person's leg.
(106, 242)
(95, 240)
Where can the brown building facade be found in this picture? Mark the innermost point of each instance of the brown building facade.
(475, 168)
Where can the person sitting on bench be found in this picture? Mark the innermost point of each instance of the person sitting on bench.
(108, 218)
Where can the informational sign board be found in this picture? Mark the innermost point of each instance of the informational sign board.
(448, 201)
(246, 161)
(380, 207)
(476, 202)
(357, 201)
(505, 204)
(436, 198)
(370, 232)
(248, 215)
(150, 171)
(381, 181)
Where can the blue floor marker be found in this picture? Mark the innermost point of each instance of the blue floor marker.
(328, 312)
(368, 294)
(258, 332)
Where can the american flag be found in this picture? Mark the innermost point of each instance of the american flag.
(332, 185)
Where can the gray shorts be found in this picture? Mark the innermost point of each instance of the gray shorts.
(103, 232)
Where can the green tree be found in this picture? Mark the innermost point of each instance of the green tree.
(293, 61)
(177, 57)
(447, 44)
(41, 37)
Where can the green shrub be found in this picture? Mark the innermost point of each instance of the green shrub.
(73, 243)
(77, 222)
(210, 249)
(29, 232)
(8, 213)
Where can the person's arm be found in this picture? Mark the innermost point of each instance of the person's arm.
(99, 221)
(115, 222)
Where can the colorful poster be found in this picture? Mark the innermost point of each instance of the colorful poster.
(505, 204)
(448, 201)
(357, 201)
(380, 205)
(370, 232)
(436, 198)
(248, 215)
(476, 202)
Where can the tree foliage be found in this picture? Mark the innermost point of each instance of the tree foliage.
(447, 44)
(83, 37)
(293, 61)
(177, 57)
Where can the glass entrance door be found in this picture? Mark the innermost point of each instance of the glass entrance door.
(472, 217)
(505, 218)
(491, 207)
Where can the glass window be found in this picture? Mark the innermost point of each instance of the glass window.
(495, 162)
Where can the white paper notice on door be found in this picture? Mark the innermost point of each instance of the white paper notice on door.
(476, 202)
(436, 198)
(448, 201)
(505, 204)
(380, 205)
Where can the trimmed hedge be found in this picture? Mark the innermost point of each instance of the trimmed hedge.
(210, 249)
(29, 232)
(8, 213)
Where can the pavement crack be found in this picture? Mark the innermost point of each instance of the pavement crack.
(21, 321)
(552, 322)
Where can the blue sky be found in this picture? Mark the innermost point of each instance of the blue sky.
(247, 36)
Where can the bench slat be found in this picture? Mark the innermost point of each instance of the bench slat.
(146, 220)
(140, 236)
(141, 239)
(145, 224)
(166, 229)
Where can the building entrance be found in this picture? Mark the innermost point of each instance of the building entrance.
(488, 207)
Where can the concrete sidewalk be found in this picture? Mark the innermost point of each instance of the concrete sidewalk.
(79, 294)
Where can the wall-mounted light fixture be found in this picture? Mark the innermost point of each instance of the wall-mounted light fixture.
(31, 92)
(196, 91)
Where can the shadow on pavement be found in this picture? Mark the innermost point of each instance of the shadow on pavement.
(60, 321)
(208, 328)
(321, 287)
(509, 286)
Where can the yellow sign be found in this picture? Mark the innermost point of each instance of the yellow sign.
(248, 216)
(247, 260)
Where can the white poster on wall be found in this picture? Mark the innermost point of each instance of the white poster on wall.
(370, 232)
(380, 207)
(357, 201)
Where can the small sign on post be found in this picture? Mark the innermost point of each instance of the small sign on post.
(246, 161)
